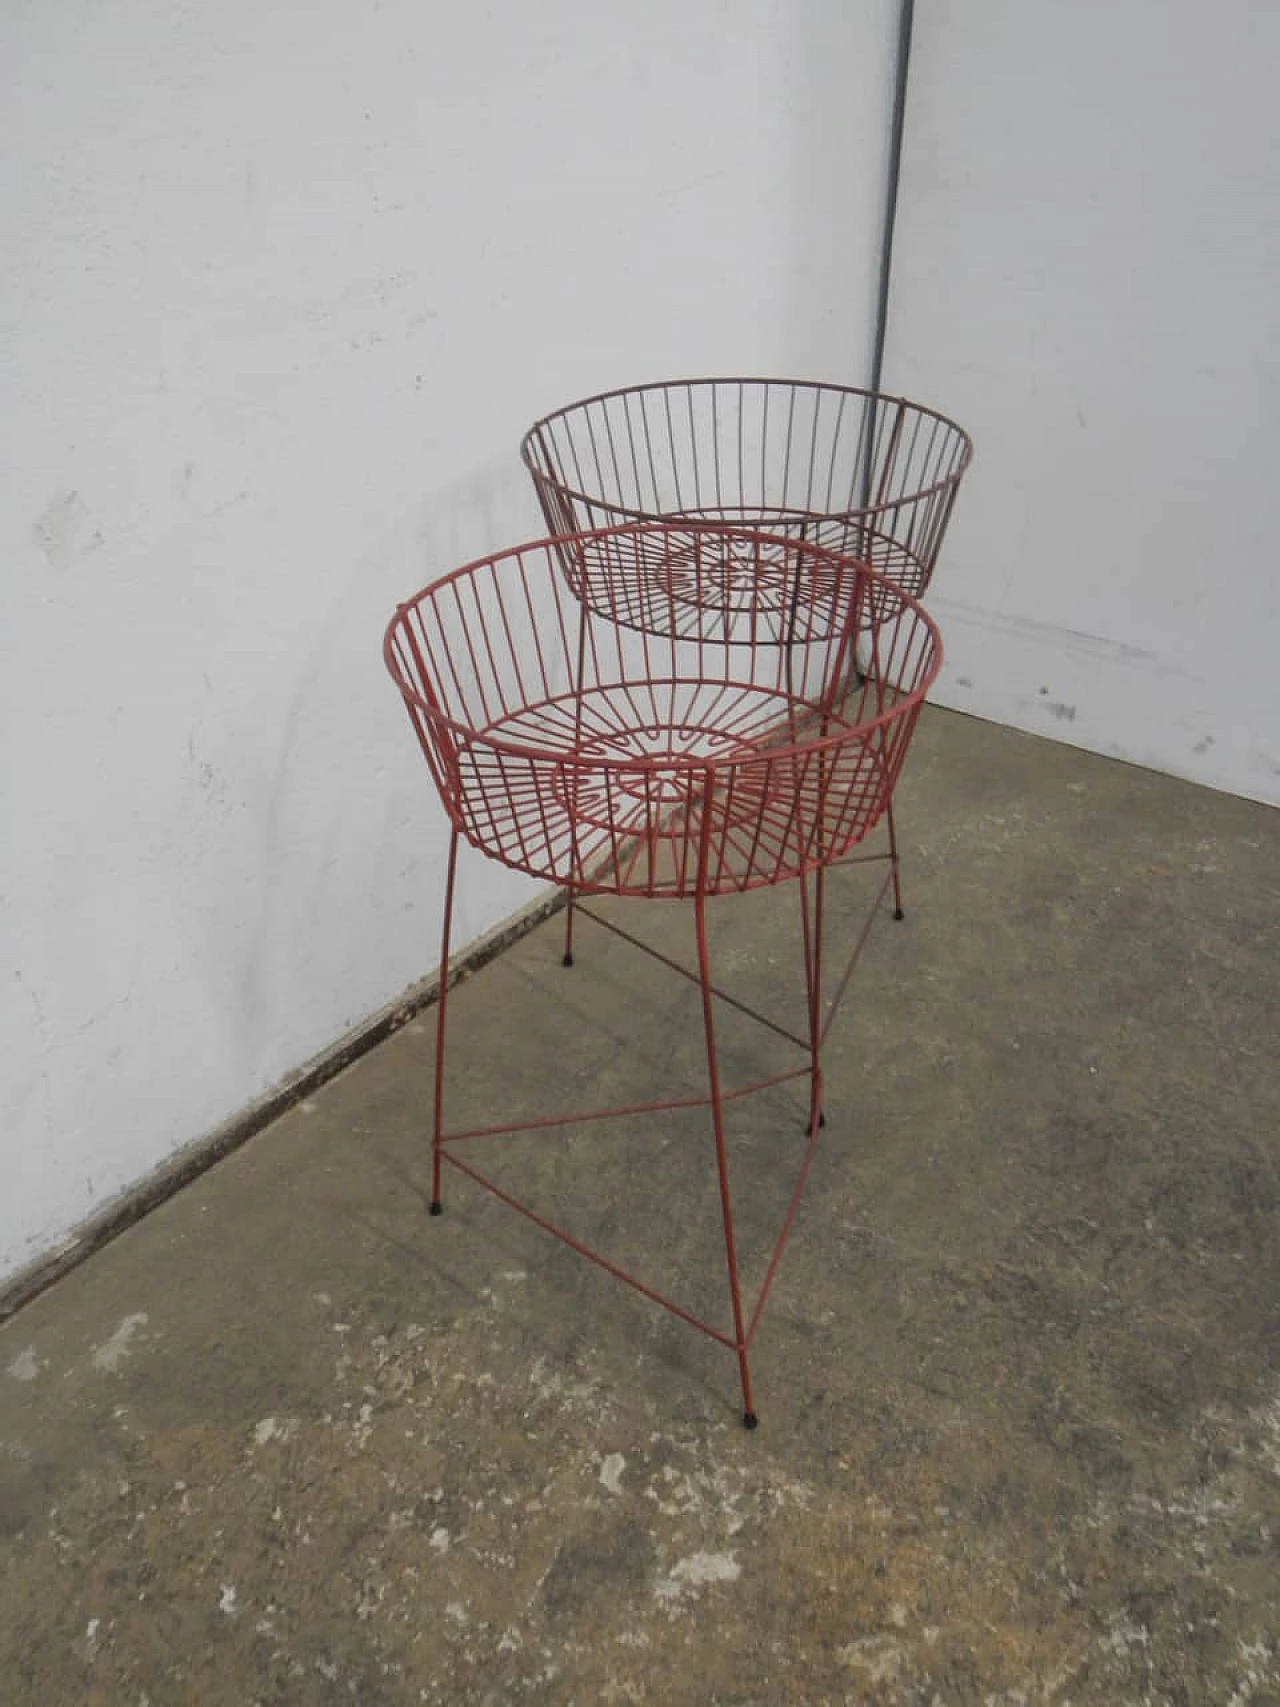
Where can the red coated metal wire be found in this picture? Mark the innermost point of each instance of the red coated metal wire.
(864, 473)
(667, 710)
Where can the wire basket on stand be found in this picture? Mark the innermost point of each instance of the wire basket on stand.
(660, 710)
(867, 475)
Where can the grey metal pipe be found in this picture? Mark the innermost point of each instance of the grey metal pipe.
(902, 68)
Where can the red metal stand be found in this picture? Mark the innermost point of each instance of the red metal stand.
(664, 711)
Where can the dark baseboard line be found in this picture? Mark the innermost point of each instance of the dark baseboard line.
(196, 1158)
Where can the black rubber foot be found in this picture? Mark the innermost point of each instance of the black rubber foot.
(822, 1121)
(898, 913)
(567, 961)
(750, 1420)
(437, 1208)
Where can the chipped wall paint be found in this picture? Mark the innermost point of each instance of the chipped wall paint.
(1088, 240)
(281, 290)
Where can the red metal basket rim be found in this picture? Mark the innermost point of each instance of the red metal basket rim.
(658, 762)
(887, 397)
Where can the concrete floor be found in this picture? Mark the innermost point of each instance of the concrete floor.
(290, 1440)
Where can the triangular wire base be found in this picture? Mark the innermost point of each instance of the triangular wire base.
(600, 1260)
(447, 1141)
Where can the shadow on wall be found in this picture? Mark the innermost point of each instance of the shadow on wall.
(353, 839)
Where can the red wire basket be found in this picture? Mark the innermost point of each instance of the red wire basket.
(863, 473)
(665, 709)
(681, 728)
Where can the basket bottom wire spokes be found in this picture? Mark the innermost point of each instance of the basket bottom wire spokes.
(627, 796)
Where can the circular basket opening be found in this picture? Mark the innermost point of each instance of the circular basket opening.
(573, 743)
(864, 473)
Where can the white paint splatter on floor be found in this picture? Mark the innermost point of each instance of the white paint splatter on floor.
(112, 1352)
(274, 1428)
(697, 1571)
(879, 1656)
(1268, 1419)
(26, 1366)
(611, 1472)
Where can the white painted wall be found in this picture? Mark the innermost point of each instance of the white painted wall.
(280, 288)
(1087, 275)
